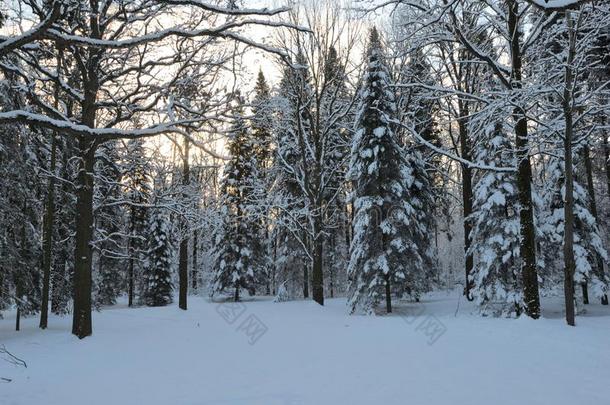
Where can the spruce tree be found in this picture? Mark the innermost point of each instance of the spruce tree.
(236, 266)
(494, 239)
(262, 137)
(390, 247)
(588, 244)
(138, 184)
(157, 278)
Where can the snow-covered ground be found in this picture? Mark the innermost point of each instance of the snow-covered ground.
(300, 353)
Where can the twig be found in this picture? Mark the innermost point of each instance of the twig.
(12, 358)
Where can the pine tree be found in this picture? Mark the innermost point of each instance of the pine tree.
(389, 244)
(238, 241)
(157, 278)
(494, 240)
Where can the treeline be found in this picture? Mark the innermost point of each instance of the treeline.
(481, 123)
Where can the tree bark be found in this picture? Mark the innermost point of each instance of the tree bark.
(388, 295)
(305, 280)
(184, 243)
(466, 195)
(593, 207)
(568, 244)
(47, 240)
(81, 321)
(607, 159)
(195, 265)
(524, 176)
(317, 277)
(81, 316)
(131, 277)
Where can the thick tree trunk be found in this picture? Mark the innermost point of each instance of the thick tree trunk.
(607, 167)
(568, 242)
(317, 276)
(81, 321)
(184, 243)
(183, 274)
(47, 239)
(466, 196)
(607, 159)
(524, 177)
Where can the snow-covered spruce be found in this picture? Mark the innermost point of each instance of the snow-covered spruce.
(588, 244)
(236, 265)
(495, 278)
(390, 250)
(157, 277)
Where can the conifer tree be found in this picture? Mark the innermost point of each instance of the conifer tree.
(137, 176)
(390, 246)
(262, 138)
(588, 244)
(157, 278)
(494, 240)
(237, 242)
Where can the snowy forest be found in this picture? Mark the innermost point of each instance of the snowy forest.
(342, 164)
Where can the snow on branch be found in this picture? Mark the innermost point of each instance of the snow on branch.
(229, 11)
(223, 31)
(102, 134)
(441, 151)
(8, 45)
(558, 5)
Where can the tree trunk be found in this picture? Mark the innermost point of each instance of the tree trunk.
(131, 277)
(607, 158)
(568, 243)
(183, 273)
(184, 243)
(81, 321)
(524, 177)
(305, 280)
(236, 296)
(466, 196)
(593, 207)
(317, 277)
(195, 265)
(47, 239)
(18, 318)
(388, 295)
(585, 293)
